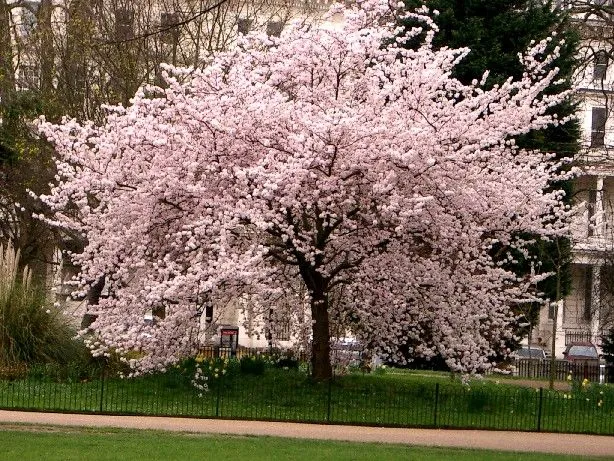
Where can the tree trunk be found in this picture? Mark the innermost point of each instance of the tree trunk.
(320, 348)
(92, 298)
(7, 74)
(47, 51)
(7, 71)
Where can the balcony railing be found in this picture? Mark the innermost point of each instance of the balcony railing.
(578, 336)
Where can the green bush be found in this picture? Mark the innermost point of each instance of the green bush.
(253, 365)
(11, 372)
(287, 363)
(32, 329)
(84, 369)
(282, 359)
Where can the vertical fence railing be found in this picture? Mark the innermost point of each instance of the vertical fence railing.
(217, 399)
(341, 401)
(540, 404)
(329, 400)
(101, 407)
(436, 405)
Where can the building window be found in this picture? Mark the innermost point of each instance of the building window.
(588, 292)
(273, 28)
(87, 320)
(598, 115)
(601, 65)
(551, 310)
(209, 312)
(169, 30)
(124, 23)
(244, 26)
(158, 312)
(283, 330)
(279, 331)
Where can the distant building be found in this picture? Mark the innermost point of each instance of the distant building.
(588, 311)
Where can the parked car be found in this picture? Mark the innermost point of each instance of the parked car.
(529, 352)
(581, 352)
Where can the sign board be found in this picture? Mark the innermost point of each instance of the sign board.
(229, 337)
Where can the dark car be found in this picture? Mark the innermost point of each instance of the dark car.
(581, 352)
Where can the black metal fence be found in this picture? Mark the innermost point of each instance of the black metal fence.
(340, 355)
(288, 396)
(575, 336)
(565, 370)
(240, 352)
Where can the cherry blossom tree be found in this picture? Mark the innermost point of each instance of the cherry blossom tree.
(320, 158)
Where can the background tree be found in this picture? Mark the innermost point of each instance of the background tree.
(25, 162)
(607, 346)
(71, 57)
(295, 160)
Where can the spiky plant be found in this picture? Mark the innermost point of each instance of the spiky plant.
(32, 329)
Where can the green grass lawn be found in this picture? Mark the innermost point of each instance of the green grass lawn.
(59, 443)
(405, 399)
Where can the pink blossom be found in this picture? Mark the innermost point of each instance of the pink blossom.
(321, 160)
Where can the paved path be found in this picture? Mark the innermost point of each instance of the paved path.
(571, 444)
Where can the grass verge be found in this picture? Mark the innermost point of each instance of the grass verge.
(59, 443)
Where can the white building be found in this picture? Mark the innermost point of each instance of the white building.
(587, 312)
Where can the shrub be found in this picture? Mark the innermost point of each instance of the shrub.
(380, 371)
(254, 365)
(283, 359)
(287, 363)
(32, 329)
(205, 371)
(12, 372)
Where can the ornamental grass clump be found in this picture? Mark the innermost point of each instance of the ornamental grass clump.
(32, 329)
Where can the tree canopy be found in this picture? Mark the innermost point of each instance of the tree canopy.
(496, 31)
(319, 158)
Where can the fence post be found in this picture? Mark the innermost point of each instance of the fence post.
(436, 404)
(539, 409)
(330, 391)
(219, 393)
(102, 389)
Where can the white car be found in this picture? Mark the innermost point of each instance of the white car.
(529, 352)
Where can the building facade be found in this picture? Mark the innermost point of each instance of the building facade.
(588, 311)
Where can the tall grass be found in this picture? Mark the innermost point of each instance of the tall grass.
(32, 329)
